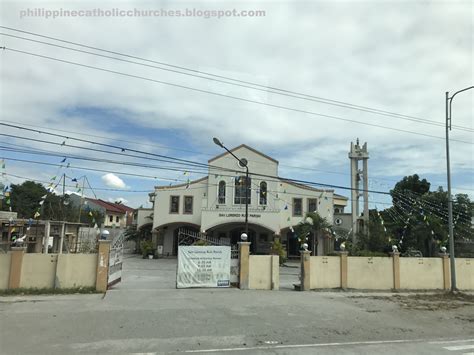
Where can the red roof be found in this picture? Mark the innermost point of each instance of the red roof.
(112, 206)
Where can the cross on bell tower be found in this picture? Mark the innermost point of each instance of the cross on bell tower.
(360, 223)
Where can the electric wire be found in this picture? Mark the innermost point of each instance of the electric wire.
(258, 87)
(286, 108)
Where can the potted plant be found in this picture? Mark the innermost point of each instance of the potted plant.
(147, 249)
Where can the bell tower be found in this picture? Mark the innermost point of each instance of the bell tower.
(359, 172)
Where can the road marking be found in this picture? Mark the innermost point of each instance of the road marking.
(459, 347)
(375, 342)
(452, 341)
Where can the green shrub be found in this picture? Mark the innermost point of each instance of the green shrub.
(277, 249)
(147, 248)
(368, 253)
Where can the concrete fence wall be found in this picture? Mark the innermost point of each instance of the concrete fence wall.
(325, 272)
(21, 270)
(384, 273)
(258, 272)
(5, 261)
(264, 272)
(375, 273)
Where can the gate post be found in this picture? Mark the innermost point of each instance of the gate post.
(244, 261)
(343, 256)
(102, 265)
(396, 270)
(305, 270)
(446, 269)
(16, 263)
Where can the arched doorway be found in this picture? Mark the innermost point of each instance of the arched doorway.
(167, 237)
(260, 237)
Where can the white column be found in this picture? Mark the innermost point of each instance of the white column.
(47, 228)
(61, 240)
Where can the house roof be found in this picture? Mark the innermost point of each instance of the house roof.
(111, 206)
(340, 197)
(242, 146)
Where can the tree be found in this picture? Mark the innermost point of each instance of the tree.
(313, 225)
(418, 218)
(25, 199)
(379, 238)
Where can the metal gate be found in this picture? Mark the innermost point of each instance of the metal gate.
(115, 261)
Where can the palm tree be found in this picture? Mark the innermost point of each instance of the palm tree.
(313, 225)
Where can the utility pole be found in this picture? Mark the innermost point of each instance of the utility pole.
(63, 198)
(82, 199)
(449, 103)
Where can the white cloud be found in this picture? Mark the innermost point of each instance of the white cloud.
(113, 181)
(378, 55)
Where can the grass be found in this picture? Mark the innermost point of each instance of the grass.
(48, 291)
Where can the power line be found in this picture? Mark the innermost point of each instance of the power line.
(123, 149)
(277, 179)
(234, 82)
(87, 188)
(76, 157)
(292, 109)
(185, 150)
(167, 160)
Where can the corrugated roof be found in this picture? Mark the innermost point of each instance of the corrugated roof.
(111, 206)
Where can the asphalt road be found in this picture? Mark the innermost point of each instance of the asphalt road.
(146, 314)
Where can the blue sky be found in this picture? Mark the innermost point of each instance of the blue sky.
(380, 54)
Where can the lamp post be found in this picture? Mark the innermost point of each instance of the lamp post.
(243, 163)
(449, 102)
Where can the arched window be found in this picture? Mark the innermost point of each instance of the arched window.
(221, 193)
(239, 196)
(263, 193)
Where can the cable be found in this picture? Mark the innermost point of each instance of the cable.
(371, 180)
(210, 76)
(219, 168)
(75, 157)
(266, 89)
(292, 109)
(277, 179)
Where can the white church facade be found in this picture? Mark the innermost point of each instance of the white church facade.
(215, 205)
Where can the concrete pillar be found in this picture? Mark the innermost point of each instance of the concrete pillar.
(275, 272)
(47, 228)
(103, 265)
(16, 264)
(396, 270)
(343, 256)
(446, 272)
(365, 193)
(244, 261)
(305, 270)
(61, 240)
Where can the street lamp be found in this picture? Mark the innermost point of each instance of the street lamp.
(449, 103)
(243, 163)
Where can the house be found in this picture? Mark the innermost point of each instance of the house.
(42, 236)
(116, 215)
(215, 205)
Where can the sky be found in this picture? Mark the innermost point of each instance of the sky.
(393, 56)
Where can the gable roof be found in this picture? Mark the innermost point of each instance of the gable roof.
(181, 185)
(302, 186)
(242, 146)
(111, 206)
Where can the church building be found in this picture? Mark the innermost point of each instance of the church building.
(214, 205)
